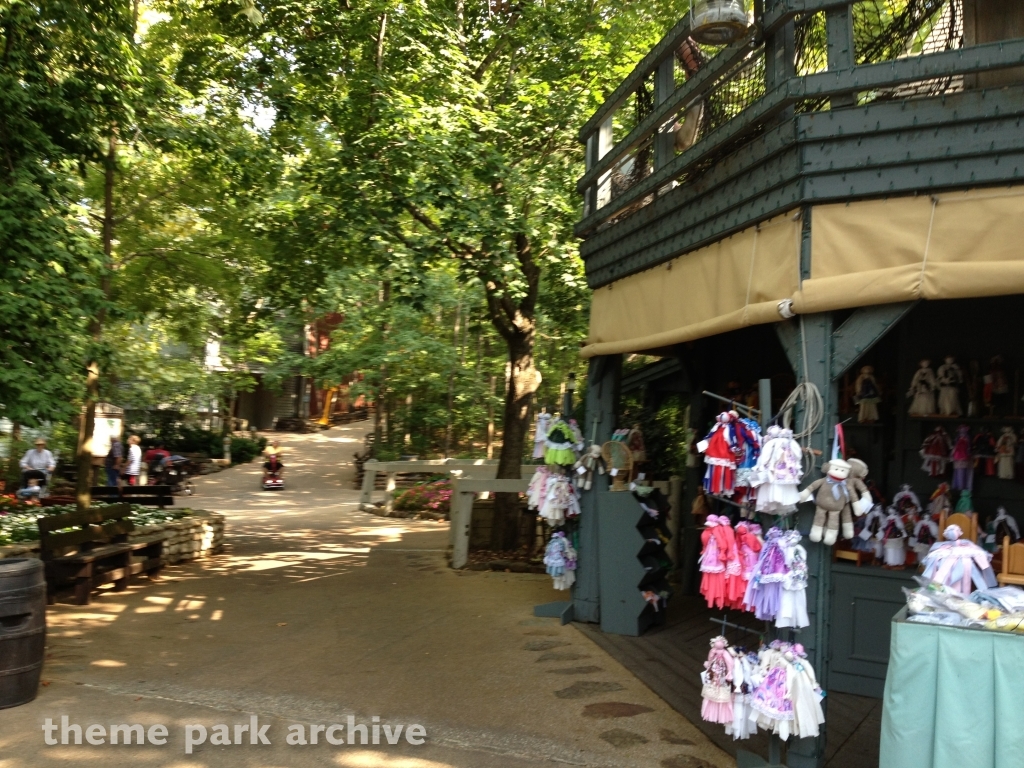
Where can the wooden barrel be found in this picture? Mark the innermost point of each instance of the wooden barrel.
(22, 629)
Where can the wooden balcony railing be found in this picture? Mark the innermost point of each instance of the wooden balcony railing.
(799, 56)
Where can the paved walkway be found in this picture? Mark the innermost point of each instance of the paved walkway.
(317, 611)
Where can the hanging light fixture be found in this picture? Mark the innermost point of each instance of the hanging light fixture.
(717, 22)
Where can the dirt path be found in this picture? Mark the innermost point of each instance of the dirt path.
(317, 612)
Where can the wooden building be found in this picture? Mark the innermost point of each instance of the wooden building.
(842, 185)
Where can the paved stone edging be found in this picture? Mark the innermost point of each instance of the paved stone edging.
(197, 535)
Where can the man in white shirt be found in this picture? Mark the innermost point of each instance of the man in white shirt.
(37, 464)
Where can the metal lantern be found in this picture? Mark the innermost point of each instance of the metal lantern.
(717, 22)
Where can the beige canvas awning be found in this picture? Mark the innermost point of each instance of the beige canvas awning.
(955, 245)
(735, 282)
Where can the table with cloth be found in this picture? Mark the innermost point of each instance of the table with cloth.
(954, 698)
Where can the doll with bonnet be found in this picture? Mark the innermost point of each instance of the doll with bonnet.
(922, 391)
(717, 689)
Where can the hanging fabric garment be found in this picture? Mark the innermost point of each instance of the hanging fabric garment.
(540, 434)
(560, 560)
(793, 598)
(712, 565)
(717, 684)
(720, 449)
(778, 472)
(764, 589)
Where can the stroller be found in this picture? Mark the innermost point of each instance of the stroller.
(272, 480)
(174, 471)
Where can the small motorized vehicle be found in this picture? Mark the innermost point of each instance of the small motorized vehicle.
(272, 480)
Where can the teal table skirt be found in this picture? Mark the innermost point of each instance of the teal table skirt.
(954, 698)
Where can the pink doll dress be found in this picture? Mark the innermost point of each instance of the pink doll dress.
(717, 691)
(712, 565)
(735, 584)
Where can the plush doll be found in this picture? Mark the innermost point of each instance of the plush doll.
(590, 462)
(832, 498)
(719, 449)
(866, 396)
(717, 688)
(963, 462)
(935, 451)
(959, 563)
(940, 501)
(983, 447)
(894, 539)
(922, 391)
(860, 493)
(949, 378)
(1006, 450)
(560, 444)
(998, 528)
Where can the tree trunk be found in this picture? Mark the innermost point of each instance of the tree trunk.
(449, 424)
(378, 431)
(87, 423)
(524, 379)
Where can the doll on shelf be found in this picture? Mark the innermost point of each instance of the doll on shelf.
(983, 448)
(963, 460)
(950, 378)
(1006, 452)
(922, 390)
(940, 502)
(894, 539)
(998, 528)
(866, 396)
(935, 451)
(997, 388)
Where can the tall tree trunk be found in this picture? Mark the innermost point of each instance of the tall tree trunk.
(450, 423)
(490, 418)
(523, 381)
(382, 387)
(87, 423)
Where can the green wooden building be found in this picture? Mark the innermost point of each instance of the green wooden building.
(841, 185)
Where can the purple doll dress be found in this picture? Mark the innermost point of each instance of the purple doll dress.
(764, 590)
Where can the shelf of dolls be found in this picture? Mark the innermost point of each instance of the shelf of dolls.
(980, 420)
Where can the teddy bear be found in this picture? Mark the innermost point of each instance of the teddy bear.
(586, 465)
(834, 497)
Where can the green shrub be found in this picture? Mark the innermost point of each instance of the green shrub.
(244, 449)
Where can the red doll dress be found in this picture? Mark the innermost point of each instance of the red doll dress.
(719, 449)
(712, 565)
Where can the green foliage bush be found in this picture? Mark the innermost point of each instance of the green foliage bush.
(244, 450)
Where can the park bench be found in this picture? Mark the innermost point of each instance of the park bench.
(86, 549)
(145, 495)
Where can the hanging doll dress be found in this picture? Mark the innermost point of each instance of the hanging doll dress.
(778, 472)
(720, 449)
(765, 587)
(793, 598)
(717, 691)
(712, 565)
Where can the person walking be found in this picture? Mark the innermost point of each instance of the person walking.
(114, 462)
(37, 464)
(134, 465)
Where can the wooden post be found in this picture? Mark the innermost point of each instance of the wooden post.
(602, 401)
(389, 493)
(817, 332)
(462, 515)
(369, 479)
(675, 498)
